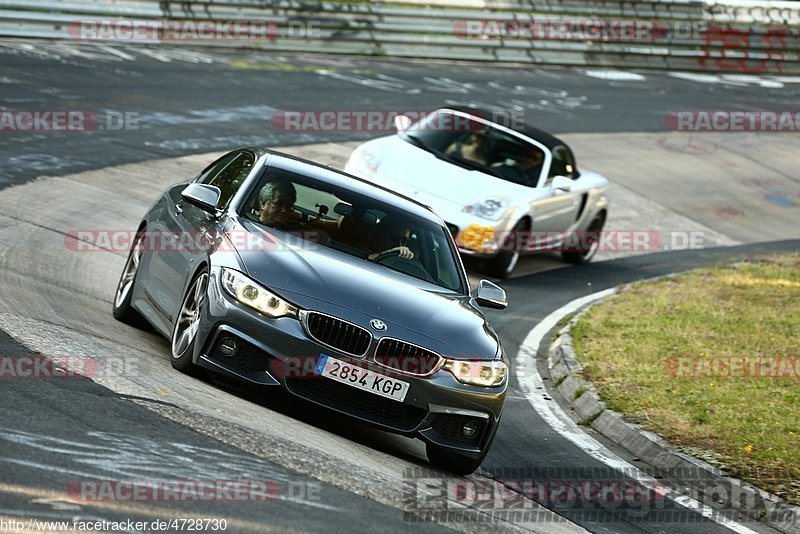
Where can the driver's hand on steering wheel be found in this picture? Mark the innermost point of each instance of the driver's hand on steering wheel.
(403, 251)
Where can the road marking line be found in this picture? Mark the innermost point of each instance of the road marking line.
(534, 389)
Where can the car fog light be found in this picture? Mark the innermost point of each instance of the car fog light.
(470, 429)
(228, 346)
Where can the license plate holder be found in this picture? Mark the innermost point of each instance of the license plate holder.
(360, 378)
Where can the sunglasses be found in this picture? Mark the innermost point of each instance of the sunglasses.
(282, 205)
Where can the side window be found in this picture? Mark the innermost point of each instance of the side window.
(229, 174)
(310, 200)
(214, 169)
(562, 164)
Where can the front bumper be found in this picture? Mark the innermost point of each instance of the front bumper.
(280, 352)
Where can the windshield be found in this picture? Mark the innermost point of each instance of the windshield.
(356, 225)
(478, 146)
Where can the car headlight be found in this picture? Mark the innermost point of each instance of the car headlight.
(492, 209)
(478, 372)
(250, 293)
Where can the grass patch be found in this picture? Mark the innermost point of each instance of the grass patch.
(656, 352)
(589, 419)
(580, 390)
(564, 321)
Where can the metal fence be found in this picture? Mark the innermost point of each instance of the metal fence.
(732, 36)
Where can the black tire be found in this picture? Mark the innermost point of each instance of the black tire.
(502, 265)
(184, 333)
(123, 311)
(580, 257)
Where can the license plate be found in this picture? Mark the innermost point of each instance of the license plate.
(362, 379)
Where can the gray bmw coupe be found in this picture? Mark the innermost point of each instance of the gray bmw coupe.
(281, 272)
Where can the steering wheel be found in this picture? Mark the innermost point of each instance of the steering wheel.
(411, 266)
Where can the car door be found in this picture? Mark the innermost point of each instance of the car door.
(189, 230)
(557, 207)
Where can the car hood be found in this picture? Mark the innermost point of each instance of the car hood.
(315, 277)
(418, 174)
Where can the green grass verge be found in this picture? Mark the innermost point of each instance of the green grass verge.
(656, 351)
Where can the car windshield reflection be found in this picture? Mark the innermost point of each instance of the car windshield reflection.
(477, 146)
(355, 225)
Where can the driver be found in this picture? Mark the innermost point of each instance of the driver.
(276, 205)
(523, 171)
(389, 235)
(276, 202)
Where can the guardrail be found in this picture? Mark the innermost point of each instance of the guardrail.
(733, 36)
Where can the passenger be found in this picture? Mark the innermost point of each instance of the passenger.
(477, 149)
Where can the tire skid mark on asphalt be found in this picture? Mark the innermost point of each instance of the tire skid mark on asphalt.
(109, 456)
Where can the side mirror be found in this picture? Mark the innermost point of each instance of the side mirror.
(401, 123)
(562, 183)
(204, 196)
(491, 295)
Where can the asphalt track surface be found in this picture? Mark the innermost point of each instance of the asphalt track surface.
(157, 423)
(201, 100)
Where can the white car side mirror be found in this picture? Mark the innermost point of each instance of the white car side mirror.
(401, 123)
(562, 183)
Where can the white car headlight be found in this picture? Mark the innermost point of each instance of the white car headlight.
(252, 294)
(492, 209)
(478, 372)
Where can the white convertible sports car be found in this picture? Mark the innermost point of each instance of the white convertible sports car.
(502, 191)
